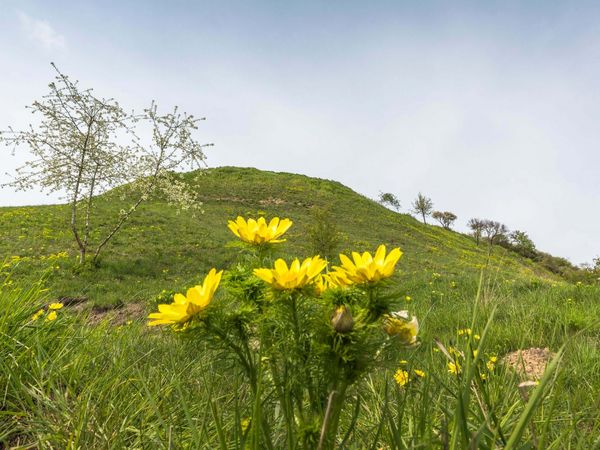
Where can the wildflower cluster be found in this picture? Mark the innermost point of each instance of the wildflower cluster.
(404, 375)
(456, 359)
(51, 312)
(301, 333)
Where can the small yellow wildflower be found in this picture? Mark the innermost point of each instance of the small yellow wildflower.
(403, 362)
(258, 231)
(296, 276)
(455, 352)
(339, 278)
(465, 331)
(369, 269)
(324, 282)
(401, 377)
(37, 315)
(245, 424)
(398, 324)
(419, 373)
(185, 307)
(476, 337)
(454, 368)
(51, 316)
(408, 298)
(491, 364)
(55, 306)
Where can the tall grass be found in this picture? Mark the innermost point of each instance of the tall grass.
(67, 384)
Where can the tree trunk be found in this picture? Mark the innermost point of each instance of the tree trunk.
(80, 168)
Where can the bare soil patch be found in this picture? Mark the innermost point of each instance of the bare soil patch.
(120, 315)
(530, 362)
(272, 201)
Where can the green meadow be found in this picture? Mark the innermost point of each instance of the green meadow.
(98, 377)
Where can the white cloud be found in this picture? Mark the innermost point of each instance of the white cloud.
(41, 31)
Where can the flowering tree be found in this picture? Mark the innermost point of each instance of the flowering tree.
(84, 145)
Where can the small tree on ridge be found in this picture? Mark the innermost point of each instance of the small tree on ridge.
(423, 206)
(445, 218)
(389, 199)
(493, 231)
(476, 226)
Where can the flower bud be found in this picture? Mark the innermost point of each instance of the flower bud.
(342, 320)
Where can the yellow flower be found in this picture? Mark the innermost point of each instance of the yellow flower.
(455, 352)
(339, 278)
(464, 331)
(55, 305)
(258, 231)
(491, 364)
(342, 320)
(408, 298)
(37, 315)
(419, 373)
(296, 276)
(51, 316)
(324, 282)
(366, 268)
(454, 368)
(245, 424)
(398, 324)
(185, 307)
(401, 377)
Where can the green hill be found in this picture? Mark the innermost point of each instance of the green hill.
(108, 381)
(162, 247)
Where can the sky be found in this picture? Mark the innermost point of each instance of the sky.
(490, 108)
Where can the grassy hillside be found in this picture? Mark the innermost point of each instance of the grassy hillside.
(80, 383)
(161, 246)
